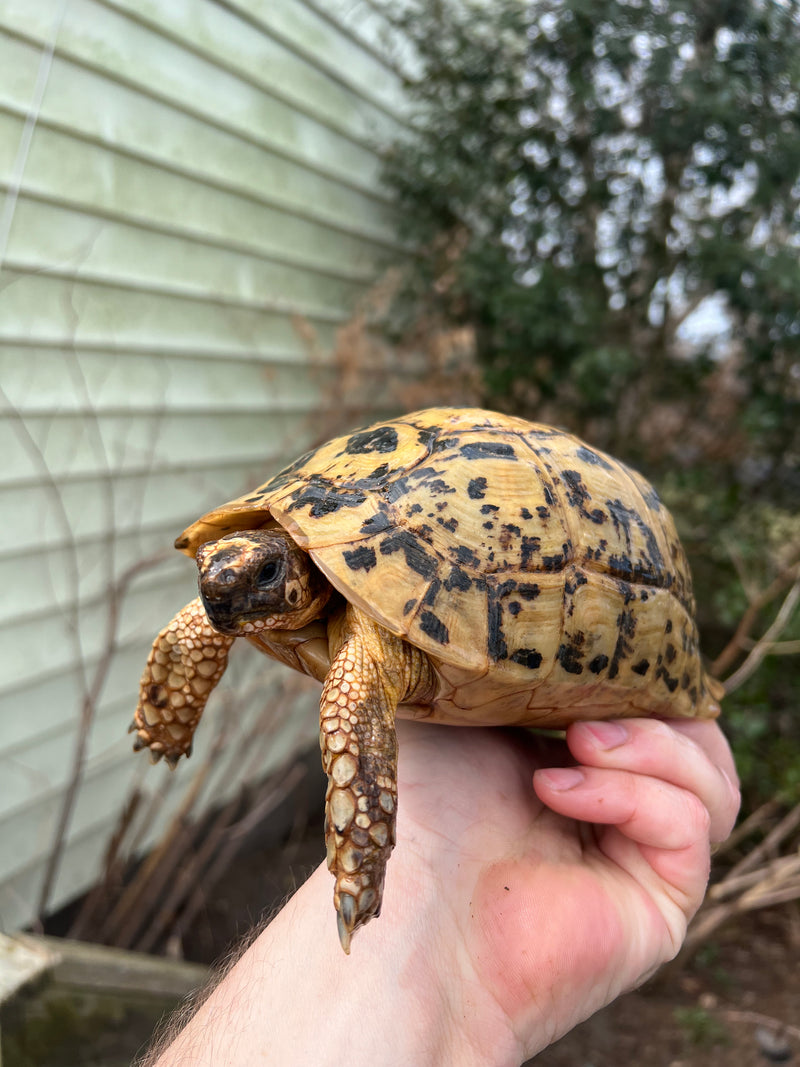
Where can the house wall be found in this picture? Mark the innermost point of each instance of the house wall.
(191, 211)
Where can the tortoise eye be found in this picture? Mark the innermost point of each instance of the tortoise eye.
(269, 575)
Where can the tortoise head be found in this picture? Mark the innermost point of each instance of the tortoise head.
(257, 580)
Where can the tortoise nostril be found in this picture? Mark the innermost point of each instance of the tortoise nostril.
(226, 576)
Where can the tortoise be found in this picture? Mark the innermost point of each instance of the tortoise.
(454, 565)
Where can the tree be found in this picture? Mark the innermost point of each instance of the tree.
(586, 175)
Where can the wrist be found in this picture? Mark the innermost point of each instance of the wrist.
(398, 998)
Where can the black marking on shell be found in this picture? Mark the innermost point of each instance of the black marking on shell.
(652, 499)
(488, 450)
(598, 664)
(670, 682)
(476, 488)
(528, 590)
(651, 570)
(571, 584)
(626, 630)
(557, 563)
(465, 555)
(377, 523)
(496, 641)
(375, 479)
(433, 626)
(377, 439)
(668, 626)
(685, 679)
(444, 444)
(416, 557)
(578, 495)
(569, 653)
(322, 497)
(457, 579)
(427, 436)
(589, 456)
(642, 667)
(487, 509)
(438, 486)
(361, 558)
(529, 546)
(450, 524)
(626, 591)
(542, 511)
(525, 514)
(527, 657)
(432, 592)
(409, 605)
(514, 608)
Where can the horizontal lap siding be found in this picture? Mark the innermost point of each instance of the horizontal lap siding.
(189, 211)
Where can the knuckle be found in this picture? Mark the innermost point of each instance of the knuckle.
(698, 817)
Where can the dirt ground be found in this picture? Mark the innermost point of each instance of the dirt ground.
(730, 1008)
(736, 1005)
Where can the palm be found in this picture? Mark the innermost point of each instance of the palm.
(529, 891)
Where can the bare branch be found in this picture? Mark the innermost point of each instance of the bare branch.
(748, 620)
(761, 648)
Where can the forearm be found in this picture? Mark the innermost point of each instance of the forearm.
(295, 998)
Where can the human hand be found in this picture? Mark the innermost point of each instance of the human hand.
(520, 899)
(555, 897)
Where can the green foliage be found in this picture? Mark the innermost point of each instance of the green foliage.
(583, 176)
(700, 1028)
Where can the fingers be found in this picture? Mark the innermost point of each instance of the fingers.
(658, 794)
(691, 755)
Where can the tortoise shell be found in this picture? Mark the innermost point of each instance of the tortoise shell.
(543, 578)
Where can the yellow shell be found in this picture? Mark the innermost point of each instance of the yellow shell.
(544, 579)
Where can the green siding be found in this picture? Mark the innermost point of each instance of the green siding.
(189, 211)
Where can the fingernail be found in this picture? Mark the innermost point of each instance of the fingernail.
(607, 734)
(561, 778)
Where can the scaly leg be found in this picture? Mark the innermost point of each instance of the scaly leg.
(186, 661)
(370, 674)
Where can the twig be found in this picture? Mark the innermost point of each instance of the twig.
(121, 925)
(735, 1016)
(753, 822)
(769, 846)
(779, 869)
(747, 582)
(211, 861)
(727, 656)
(113, 867)
(777, 648)
(759, 651)
(90, 700)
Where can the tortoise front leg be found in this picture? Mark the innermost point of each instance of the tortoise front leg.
(186, 661)
(370, 674)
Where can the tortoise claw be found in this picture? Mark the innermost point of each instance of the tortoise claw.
(133, 727)
(155, 756)
(172, 760)
(138, 744)
(346, 920)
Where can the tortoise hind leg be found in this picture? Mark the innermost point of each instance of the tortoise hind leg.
(370, 674)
